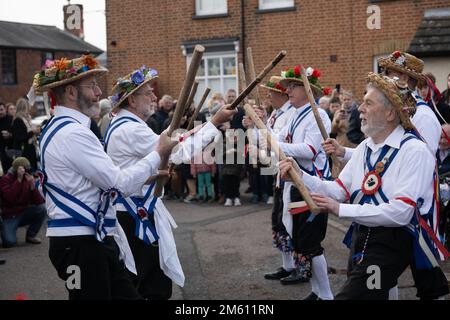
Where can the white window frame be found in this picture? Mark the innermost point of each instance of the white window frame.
(200, 12)
(375, 60)
(263, 5)
(206, 77)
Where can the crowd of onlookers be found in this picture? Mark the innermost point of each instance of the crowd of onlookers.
(204, 180)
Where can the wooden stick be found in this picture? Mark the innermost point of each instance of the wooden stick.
(258, 79)
(197, 110)
(252, 70)
(179, 110)
(251, 141)
(315, 110)
(295, 176)
(191, 97)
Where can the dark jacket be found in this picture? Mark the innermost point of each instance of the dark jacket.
(354, 133)
(17, 196)
(21, 141)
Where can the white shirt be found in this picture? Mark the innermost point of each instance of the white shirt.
(409, 175)
(428, 126)
(76, 163)
(130, 142)
(282, 117)
(306, 135)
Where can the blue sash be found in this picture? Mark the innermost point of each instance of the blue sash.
(140, 209)
(424, 252)
(81, 214)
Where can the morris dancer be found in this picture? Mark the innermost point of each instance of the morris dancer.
(80, 182)
(388, 181)
(144, 218)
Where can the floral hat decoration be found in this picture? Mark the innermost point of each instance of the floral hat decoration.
(405, 63)
(127, 85)
(293, 75)
(274, 85)
(59, 72)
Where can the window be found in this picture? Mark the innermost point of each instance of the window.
(275, 4)
(218, 72)
(376, 67)
(46, 55)
(9, 74)
(210, 7)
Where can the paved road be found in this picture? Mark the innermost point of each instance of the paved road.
(224, 251)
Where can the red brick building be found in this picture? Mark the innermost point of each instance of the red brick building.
(24, 49)
(331, 35)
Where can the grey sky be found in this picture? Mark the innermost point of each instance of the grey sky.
(50, 12)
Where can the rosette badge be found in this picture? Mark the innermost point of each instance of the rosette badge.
(127, 85)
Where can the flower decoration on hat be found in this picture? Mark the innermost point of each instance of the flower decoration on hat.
(63, 69)
(398, 58)
(130, 83)
(294, 74)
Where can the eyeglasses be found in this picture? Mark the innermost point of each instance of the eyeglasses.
(293, 85)
(93, 86)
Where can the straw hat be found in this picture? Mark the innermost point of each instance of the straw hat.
(398, 94)
(127, 85)
(274, 85)
(64, 71)
(405, 63)
(293, 75)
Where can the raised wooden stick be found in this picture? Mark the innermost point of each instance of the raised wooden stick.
(191, 97)
(315, 111)
(295, 176)
(251, 141)
(252, 74)
(179, 110)
(197, 110)
(258, 79)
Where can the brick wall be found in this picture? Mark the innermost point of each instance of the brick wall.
(28, 62)
(152, 32)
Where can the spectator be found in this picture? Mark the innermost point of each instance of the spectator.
(324, 103)
(166, 105)
(24, 135)
(151, 121)
(231, 170)
(22, 204)
(5, 137)
(213, 105)
(11, 108)
(335, 104)
(203, 168)
(354, 133)
(446, 93)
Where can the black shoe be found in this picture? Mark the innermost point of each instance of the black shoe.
(281, 273)
(311, 296)
(293, 278)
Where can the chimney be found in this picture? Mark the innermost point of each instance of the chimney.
(73, 19)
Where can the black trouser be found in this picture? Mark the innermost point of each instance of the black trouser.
(389, 249)
(151, 282)
(277, 211)
(102, 275)
(307, 236)
(231, 186)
